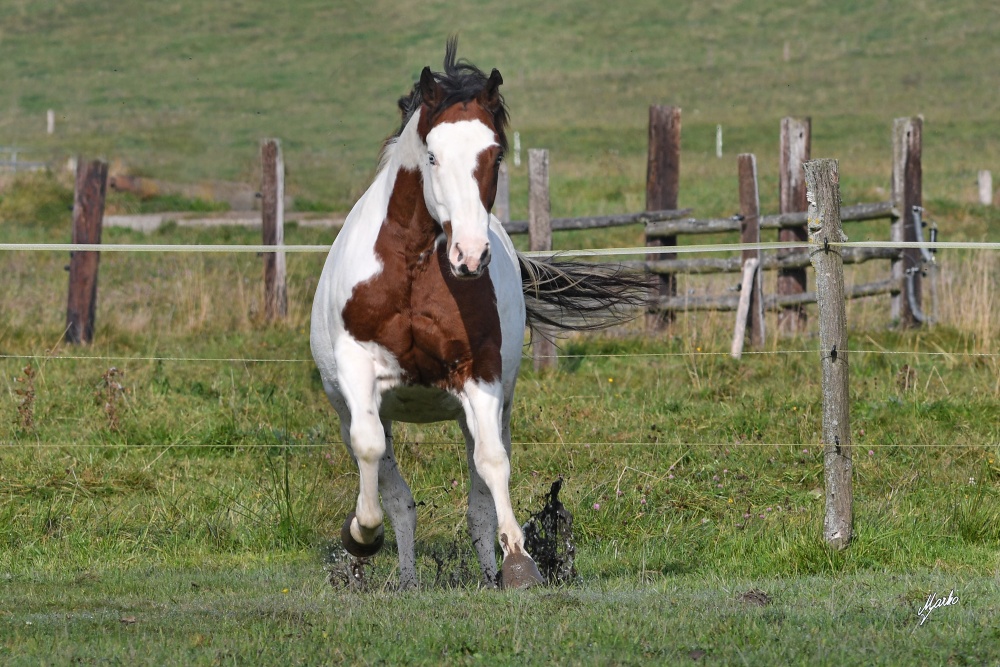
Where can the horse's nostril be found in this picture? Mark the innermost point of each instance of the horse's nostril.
(458, 249)
(485, 256)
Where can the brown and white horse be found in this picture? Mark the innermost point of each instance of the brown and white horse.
(419, 315)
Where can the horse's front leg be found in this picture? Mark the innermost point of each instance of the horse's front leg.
(483, 405)
(482, 515)
(362, 533)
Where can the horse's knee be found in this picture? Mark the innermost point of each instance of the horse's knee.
(491, 461)
(367, 440)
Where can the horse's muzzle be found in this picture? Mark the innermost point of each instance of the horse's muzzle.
(469, 265)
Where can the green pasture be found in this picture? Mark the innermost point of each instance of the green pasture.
(184, 507)
(185, 90)
(173, 493)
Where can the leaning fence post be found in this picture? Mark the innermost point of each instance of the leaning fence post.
(663, 169)
(750, 273)
(272, 192)
(88, 217)
(796, 142)
(907, 178)
(823, 182)
(540, 238)
(750, 233)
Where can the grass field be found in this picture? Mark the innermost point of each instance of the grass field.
(188, 517)
(184, 90)
(172, 494)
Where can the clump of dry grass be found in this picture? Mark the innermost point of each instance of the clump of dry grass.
(26, 393)
(968, 297)
(112, 392)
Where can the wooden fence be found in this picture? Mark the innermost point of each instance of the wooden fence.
(663, 222)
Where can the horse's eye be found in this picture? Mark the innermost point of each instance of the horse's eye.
(499, 158)
(431, 158)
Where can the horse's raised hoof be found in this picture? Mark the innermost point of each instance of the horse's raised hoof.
(355, 548)
(518, 570)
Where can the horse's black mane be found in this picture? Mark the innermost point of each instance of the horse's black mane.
(461, 82)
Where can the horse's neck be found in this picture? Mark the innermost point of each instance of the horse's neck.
(412, 229)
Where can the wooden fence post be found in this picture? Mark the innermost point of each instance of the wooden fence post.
(796, 143)
(750, 233)
(823, 182)
(907, 179)
(751, 269)
(663, 169)
(501, 205)
(88, 217)
(540, 238)
(272, 191)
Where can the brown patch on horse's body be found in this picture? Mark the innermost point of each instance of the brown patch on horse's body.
(443, 331)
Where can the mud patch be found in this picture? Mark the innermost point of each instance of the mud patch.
(755, 596)
(344, 571)
(456, 565)
(548, 538)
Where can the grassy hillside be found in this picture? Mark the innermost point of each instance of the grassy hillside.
(184, 90)
(169, 495)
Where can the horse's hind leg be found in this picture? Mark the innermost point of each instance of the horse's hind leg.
(399, 505)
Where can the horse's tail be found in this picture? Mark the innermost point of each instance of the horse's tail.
(580, 296)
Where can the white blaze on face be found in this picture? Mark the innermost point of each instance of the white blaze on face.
(453, 194)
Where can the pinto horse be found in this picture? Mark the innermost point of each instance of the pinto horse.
(420, 313)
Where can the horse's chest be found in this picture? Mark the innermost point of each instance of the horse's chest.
(441, 331)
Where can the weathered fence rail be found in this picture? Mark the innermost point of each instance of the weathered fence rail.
(664, 222)
(691, 226)
(727, 302)
(770, 262)
(664, 227)
(600, 222)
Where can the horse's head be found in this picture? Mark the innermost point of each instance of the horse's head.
(462, 127)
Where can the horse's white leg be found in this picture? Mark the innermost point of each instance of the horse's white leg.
(483, 404)
(482, 515)
(357, 384)
(401, 509)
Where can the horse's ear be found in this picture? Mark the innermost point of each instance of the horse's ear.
(490, 97)
(430, 89)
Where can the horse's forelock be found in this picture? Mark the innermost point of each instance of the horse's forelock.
(461, 82)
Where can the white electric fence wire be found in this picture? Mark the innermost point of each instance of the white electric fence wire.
(624, 355)
(807, 448)
(592, 252)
